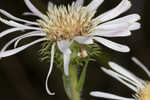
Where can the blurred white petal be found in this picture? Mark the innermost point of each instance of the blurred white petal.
(140, 64)
(125, 72)
(108, 96)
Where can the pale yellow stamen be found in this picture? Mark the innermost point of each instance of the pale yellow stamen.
(63, 22)
(144, 93)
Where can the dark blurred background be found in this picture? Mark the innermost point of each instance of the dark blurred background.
(22, 76)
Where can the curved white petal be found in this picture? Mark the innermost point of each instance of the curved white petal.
(115, 12)
(114, 75)
(84, 40)
(108, 96)
(125, 72)
(94, 5)
(32, 8)
(6, 32)
(15, 18)
(112, 45)
(66, 58)
(135, 26)
(15, 39)
(19, 49)
(28, 35)
(141, 65)
(79, 3)
(50, 70)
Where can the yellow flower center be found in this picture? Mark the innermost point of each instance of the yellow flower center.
(145, 93)
(62, 23)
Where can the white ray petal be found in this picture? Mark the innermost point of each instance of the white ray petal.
(108, 96)
(66, 58)
(32, 8)
(13, 40)
(64, 45)
(6, 32)
(50, 70)
(126, 79)
(94, 5)
(114, 75)
(132, 18)
(125, 72)
(112, 33)
(19, 49)
(112, 45)
(141, 65)
(79, 3)
(115, 12)
(84, 40)
(15, 24)
(113, 26)
(28, 35)
(135, 26)
(15, 18)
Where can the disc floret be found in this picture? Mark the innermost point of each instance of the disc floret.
(63, 23)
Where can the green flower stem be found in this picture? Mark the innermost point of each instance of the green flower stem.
(73, 80)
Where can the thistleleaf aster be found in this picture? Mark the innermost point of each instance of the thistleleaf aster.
(62, 25)
(138, 85)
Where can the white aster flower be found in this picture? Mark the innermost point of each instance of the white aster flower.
(138, 85)
(63, 25)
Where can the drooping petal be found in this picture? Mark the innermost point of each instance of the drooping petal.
(112, 45)
(94, 5)
(108, 96)
(141, 65)
(115, 12)
(84, 40)
(115, 75)
(66, 58)
(32, 8)
(125, 72)
(79, 3)
(15, 18)
(50, 70)
(19, 49)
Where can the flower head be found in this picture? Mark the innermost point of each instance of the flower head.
(63, 25)
(138, 85)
